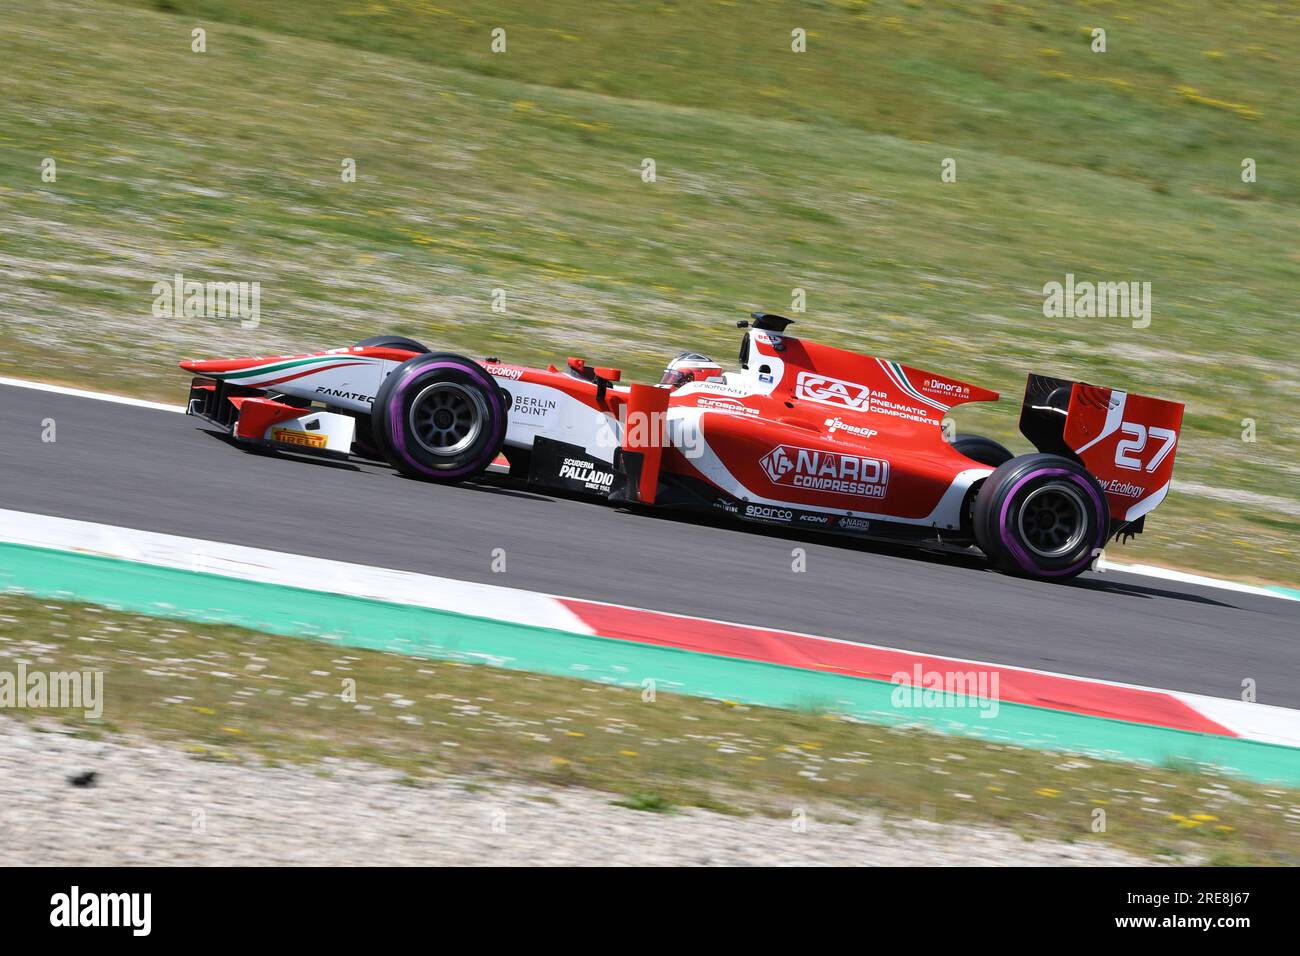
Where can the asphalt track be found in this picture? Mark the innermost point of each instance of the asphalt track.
(164, 472)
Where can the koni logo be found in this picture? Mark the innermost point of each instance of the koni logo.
(815, 470)
(831, 391)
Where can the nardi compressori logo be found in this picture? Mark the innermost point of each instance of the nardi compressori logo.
(814, 470)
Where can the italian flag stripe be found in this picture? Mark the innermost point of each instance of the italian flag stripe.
(900, 378)
(280, 366)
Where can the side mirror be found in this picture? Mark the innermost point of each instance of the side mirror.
(604, 376)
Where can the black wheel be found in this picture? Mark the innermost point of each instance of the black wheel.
(393, 342)
(363, 438)
(984, 450)
(363, 444)
(1041, 516)
(439, 417)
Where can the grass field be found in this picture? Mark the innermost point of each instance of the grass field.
(227, 694)
(775, 170)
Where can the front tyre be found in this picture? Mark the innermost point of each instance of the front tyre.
(393, 342)
(363, 439)
(1041, 516)
(439, 417)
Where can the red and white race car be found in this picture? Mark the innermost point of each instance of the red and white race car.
(803, 435)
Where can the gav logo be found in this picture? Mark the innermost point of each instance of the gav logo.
(815, 470)
(831, 391)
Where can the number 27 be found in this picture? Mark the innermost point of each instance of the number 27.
(1136, 440)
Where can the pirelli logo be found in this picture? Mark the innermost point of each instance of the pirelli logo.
(289, 436)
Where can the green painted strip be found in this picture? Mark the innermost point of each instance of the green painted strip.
(378, 625)
(1285, 592)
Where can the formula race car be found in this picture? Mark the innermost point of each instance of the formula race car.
(802, 435)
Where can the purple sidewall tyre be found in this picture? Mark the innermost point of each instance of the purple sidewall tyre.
(393, 421)
(1095, 540)
(1010, 525)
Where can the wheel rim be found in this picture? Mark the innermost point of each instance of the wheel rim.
(1053, 520)
(446, 418)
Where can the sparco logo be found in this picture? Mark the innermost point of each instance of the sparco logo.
(831, 391)
(772, 514)
(826, 471)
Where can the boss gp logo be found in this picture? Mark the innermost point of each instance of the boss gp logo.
(836, 424)
(831, 391)
(807, 468)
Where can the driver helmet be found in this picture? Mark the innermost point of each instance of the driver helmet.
(689, 367)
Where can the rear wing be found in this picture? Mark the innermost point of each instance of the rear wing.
(1126, 441)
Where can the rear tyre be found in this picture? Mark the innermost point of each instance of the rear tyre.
(393, 342)
(439, 417)
(984, 450)
(1041, 516)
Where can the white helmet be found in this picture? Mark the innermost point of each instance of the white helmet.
(689, 367)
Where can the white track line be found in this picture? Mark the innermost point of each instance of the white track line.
(1145, 570)
(1184, 577)
(289, 570)
(97, 396)
(1255, 721)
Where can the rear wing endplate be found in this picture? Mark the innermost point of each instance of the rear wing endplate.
(1126, 441)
